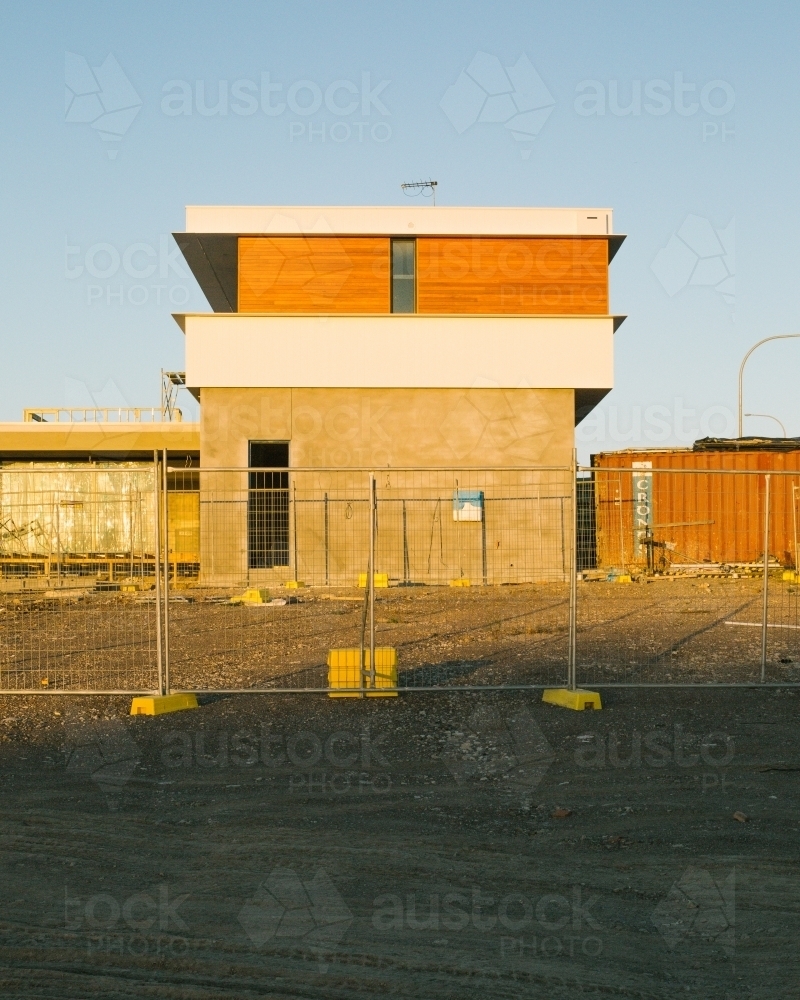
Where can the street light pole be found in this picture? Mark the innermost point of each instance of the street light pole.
(779, 336)
(768, 416)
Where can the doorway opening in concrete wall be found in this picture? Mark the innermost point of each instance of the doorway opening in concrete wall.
(268, 505)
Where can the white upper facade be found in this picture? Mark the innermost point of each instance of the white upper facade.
(237, 350)
(371, 220)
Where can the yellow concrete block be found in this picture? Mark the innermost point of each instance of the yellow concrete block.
(576, 700)
(344, 672)
(461, 582)
(790, 576)
(160, 704)
(294, 584)
(379, 580)
(623, 578)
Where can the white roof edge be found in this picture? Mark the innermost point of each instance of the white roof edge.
(424, 208)
(397, 219)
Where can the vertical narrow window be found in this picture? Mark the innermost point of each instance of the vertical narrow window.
(268, 505)
(403, 275)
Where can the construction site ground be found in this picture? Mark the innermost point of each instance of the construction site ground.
(450, 845)
(659, 630)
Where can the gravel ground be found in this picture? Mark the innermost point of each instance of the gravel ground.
(661, 631)
(434, 845)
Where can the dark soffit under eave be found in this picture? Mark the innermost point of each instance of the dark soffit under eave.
(213, 259)
(586, 400)
(614, 243)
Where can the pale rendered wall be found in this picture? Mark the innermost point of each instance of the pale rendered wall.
(398, 351)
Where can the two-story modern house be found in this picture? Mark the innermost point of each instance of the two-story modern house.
(387, 338)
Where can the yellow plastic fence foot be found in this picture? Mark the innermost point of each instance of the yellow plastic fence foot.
(461, 582)
(379, 580)
(160, 704)
(623, 578)
(576, 700)
(294, 584)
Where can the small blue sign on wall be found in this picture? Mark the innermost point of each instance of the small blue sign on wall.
(468, 505)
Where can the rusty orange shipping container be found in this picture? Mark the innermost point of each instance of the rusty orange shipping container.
(700, 505)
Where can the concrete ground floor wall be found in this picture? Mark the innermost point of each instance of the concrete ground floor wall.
(484, 440)
(482, 427)
(432, 527)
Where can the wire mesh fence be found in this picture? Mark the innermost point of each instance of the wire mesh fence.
(695, 578)
(469, 580)
(149, 578)
(77, 564)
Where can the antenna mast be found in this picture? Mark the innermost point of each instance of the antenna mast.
(426, 188)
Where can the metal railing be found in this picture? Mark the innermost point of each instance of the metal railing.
(101, 414)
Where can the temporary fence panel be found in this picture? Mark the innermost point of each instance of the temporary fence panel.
(471, 576)
(782, 635)
(155, 579)
(586, 524)
(681, 593)
(77, 568)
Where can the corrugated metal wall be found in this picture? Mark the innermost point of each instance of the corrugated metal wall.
(700, 515)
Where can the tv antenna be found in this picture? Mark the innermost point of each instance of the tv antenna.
(425, 188)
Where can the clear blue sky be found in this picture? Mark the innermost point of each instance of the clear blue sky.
(83, 321)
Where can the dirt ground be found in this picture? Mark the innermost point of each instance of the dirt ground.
(433, 845)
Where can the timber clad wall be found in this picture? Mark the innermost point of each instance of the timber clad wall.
(517, 275)
(297, 274)
(478, 275)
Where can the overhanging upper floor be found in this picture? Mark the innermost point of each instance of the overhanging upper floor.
(341, 259)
